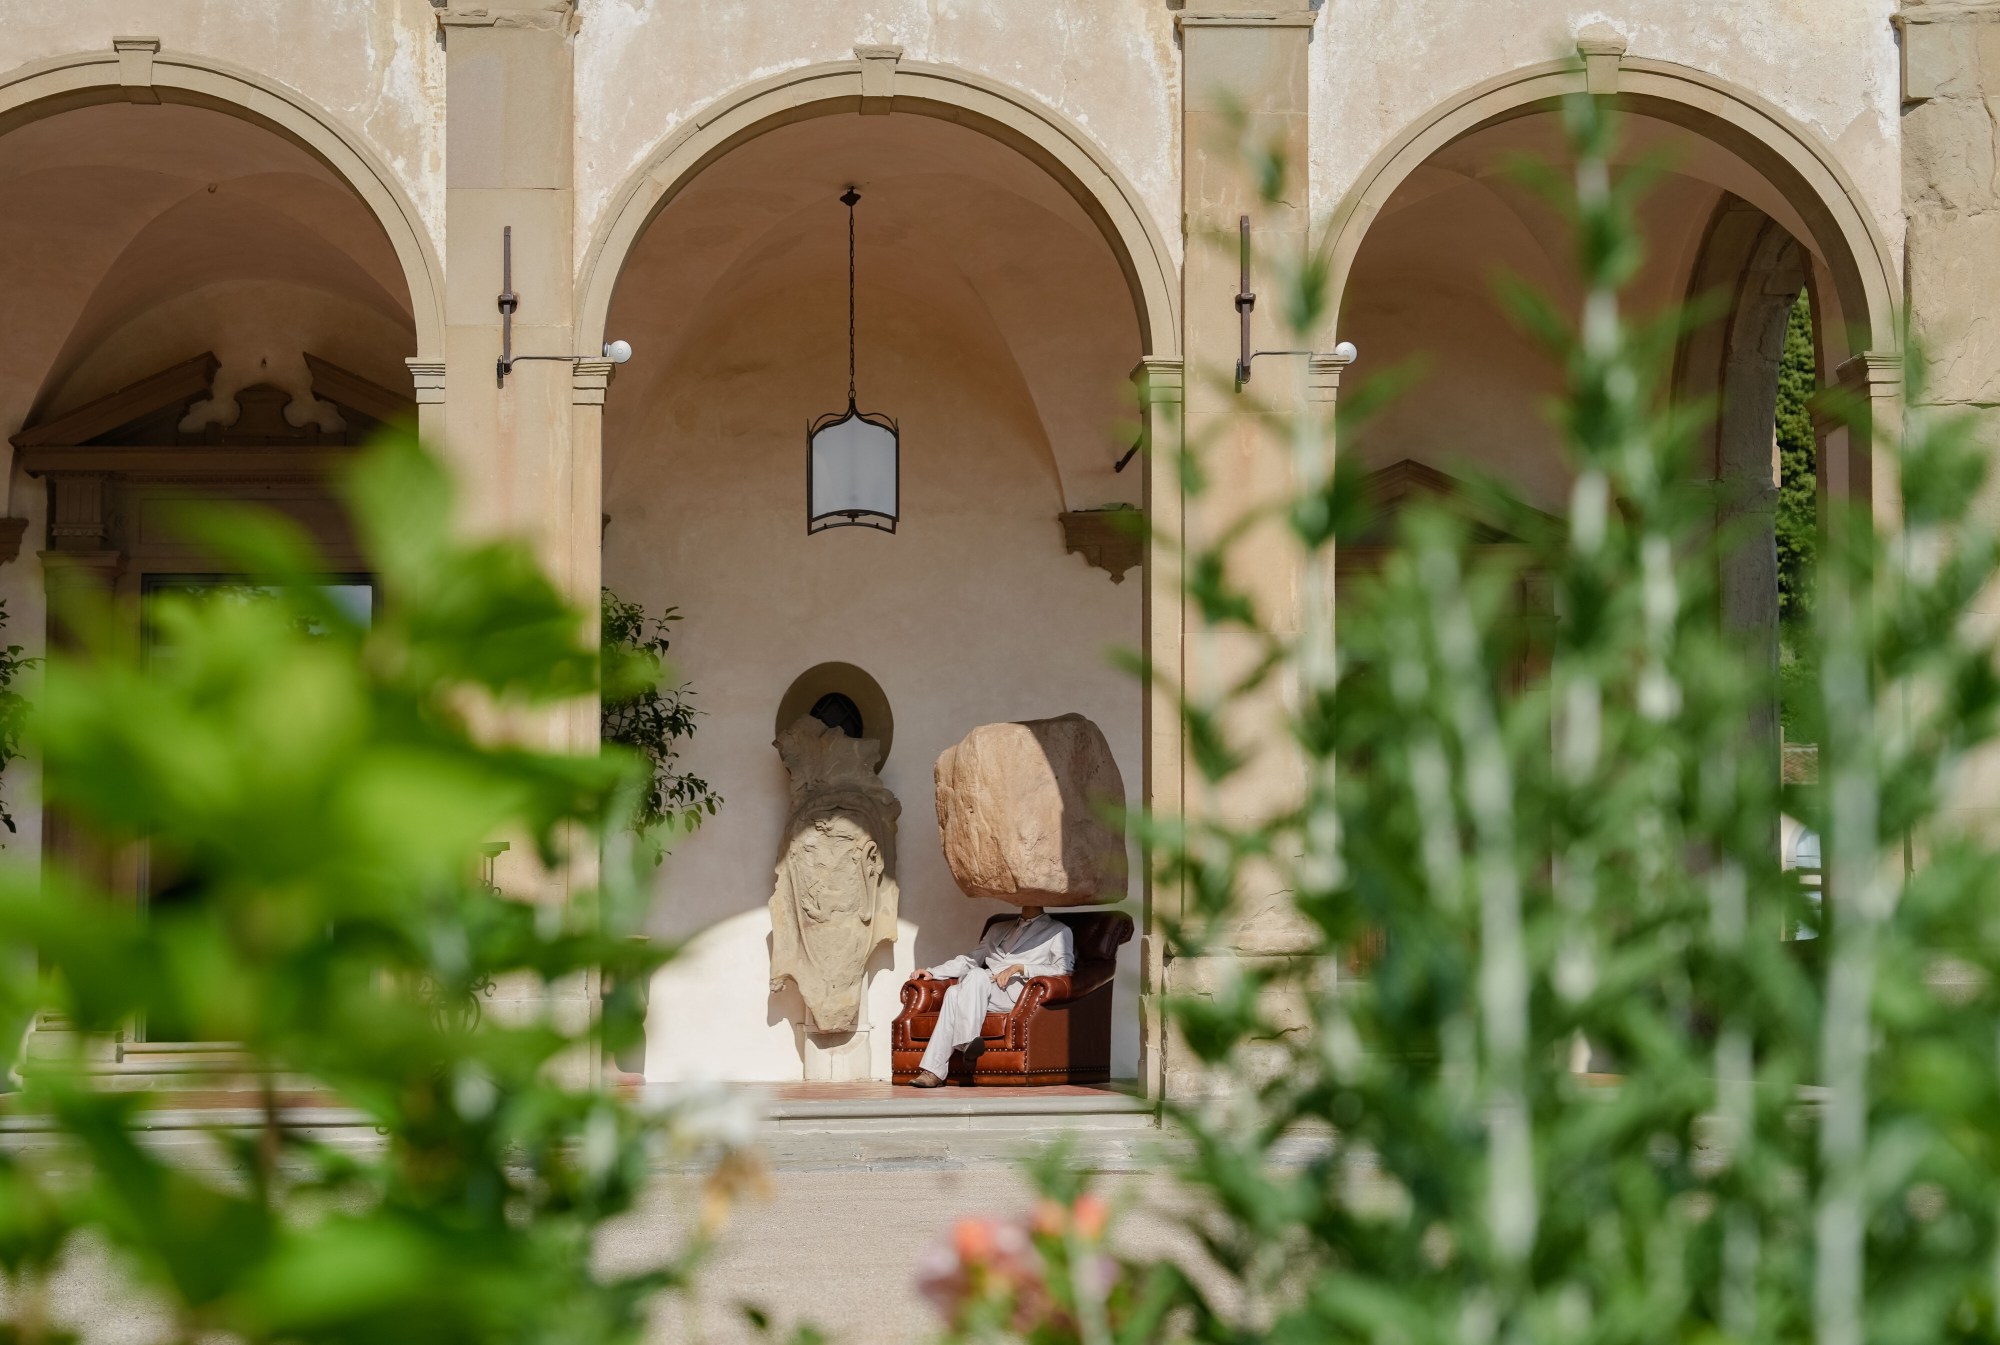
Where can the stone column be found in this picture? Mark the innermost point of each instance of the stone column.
(1951, 197)
(1160, 385)
(581, 567)
(1244, 94)
(1951, 202)
(508, 136)
(509, 132)
(427, 382)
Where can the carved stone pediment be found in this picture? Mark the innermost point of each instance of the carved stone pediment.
(106, 460)
(171, 424)
(1407, 484)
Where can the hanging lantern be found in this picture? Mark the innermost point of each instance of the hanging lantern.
(852, 456)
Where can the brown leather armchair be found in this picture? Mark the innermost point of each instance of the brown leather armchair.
(1059, 1031)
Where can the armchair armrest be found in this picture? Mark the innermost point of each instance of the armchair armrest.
(1086, 980)
(924, 996)
(1044, 990)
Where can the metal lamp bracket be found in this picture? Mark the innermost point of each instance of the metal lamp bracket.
(509, 301)
(1246, 302)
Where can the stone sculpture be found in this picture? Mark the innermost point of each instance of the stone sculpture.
(1020, 810)
(836, 891)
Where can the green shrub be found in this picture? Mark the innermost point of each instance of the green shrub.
(645, 716)
(324, 786)
(1557, 1068)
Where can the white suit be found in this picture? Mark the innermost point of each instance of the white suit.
(1040, 947)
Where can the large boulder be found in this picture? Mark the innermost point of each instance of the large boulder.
(1020, 809)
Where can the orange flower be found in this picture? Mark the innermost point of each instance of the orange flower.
(1091, 1213)
(973, 1239)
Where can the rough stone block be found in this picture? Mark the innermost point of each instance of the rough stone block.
(1955, 303)
(1940, 57)
(1948, 155)
(1019, 806)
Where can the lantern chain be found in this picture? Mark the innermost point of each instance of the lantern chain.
(850, 197)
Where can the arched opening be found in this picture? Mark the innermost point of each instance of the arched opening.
(998, 327)
(1735, 221)
(200, 308)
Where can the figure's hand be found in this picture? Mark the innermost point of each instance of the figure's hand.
(1008, 975)
(921, 975)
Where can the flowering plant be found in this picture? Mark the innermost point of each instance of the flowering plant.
(1049, 1277)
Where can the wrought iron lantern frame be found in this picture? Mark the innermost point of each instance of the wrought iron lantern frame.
(818, 519)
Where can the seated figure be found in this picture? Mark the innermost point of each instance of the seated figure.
(989, 979)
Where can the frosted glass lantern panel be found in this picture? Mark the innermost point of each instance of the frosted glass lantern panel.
(853, 472)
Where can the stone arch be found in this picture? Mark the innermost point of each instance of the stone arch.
(138, 71)
(1753, 263)
(1799, 165)
(1040, 134)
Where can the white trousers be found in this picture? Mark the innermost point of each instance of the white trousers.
(966, 1005)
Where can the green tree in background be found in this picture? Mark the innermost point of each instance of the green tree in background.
(1797, 523)
(1798, 463)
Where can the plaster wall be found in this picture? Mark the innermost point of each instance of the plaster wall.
(644, 67)
(971, 613)
(1379, 65)
(376, 65)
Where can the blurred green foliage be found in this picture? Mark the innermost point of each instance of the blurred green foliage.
(13, 708)
(1550, 1065)
(324, 787)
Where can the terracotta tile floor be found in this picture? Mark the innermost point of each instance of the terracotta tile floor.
(885, 1092)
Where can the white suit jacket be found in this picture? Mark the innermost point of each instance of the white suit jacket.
(1042, 947)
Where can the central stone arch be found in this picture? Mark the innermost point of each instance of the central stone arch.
(1038, 133)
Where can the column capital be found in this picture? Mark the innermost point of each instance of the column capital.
(588, 381)
(1323, 376)
(427, 377)
(1872, 373)
(1160, 379)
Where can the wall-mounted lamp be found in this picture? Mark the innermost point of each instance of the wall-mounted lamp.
(616, 351)
(1246, 300)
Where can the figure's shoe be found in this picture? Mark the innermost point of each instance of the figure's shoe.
(926, 1079)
